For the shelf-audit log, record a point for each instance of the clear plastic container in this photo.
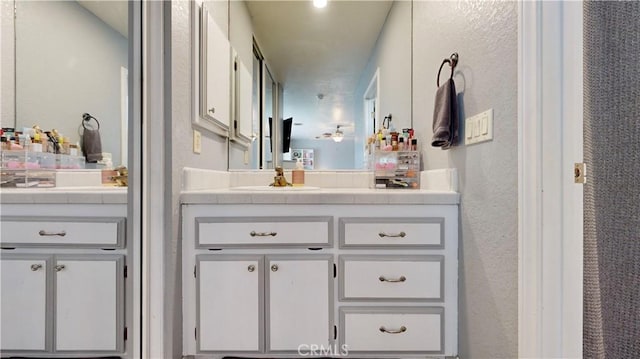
(397, 169)
(25, 169)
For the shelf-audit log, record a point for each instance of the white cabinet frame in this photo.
(201, 116)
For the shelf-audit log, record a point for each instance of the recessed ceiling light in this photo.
(319, 3)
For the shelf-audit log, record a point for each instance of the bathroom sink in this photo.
(274, 189)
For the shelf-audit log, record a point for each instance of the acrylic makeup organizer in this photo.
(397, 169)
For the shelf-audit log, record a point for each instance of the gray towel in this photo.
(445, 116)
(91, 145)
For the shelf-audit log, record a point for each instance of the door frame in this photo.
(550, 205)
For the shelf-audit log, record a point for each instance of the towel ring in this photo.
(452, 61)
(86, 118)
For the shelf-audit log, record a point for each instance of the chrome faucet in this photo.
(280, 180)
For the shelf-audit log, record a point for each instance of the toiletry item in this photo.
(414, 144)
(394, 141)
(401, 144)
(298, 174)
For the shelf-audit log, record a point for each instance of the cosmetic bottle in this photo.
(297, 175)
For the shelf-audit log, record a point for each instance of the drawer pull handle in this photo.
(399, 331)
(263, 234)
(401, 279)
(274, 268)
(251, 268)
(59, 267)
(45, 233)
(35, 267)
(401, 235)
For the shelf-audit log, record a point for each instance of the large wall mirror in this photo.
(71, 58)
(335, 71)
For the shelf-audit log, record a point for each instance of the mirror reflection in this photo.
(336, 72)
(70, 59)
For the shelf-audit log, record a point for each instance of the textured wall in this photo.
(67, 63)
(213, 156)
(392, 54)
(7, 78)
(484, 33)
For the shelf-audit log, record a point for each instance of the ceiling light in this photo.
(319, 3)
(338, 136)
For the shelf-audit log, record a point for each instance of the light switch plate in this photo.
(197, 141)
(478, 128)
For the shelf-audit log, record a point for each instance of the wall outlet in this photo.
(197, 141)
(479, 128)
(246, 157)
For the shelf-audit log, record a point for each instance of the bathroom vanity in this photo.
(351, 272)
(66, 290)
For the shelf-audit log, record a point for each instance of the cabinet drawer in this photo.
(402, 329)
(103, 232)
(399, 278)
(221, 232)
(392, 232)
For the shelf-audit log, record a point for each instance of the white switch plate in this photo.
(197, 141)
(478, 128)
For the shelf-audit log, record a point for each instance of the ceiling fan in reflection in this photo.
(336, 136)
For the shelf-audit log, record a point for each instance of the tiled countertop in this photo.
(320, 196)
(61, 195)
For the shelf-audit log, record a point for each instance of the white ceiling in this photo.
(318, 51)
(113, 12)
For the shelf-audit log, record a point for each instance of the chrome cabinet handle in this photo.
(212, 110)
(274, 268)
(35, 267)
(401, 279)
(398, 331)
(251, 268)
(401, 235)
(45, 233)
(263, 234)
(59, 267)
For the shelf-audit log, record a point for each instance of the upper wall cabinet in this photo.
(211, 73)
(242, 93)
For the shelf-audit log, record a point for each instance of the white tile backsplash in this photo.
(87, 178)
(445, 179)
(198, 179)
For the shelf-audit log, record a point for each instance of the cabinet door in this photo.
(24, 300)
(217, 79)
(89, 294)
(229, 294)
(298, 302)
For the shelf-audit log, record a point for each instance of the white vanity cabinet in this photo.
(386, 288)
(274, 301)
(230, 301)
(298, 302)
(89, 303)
(63, 280)
(398, 284)
(24, 302)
